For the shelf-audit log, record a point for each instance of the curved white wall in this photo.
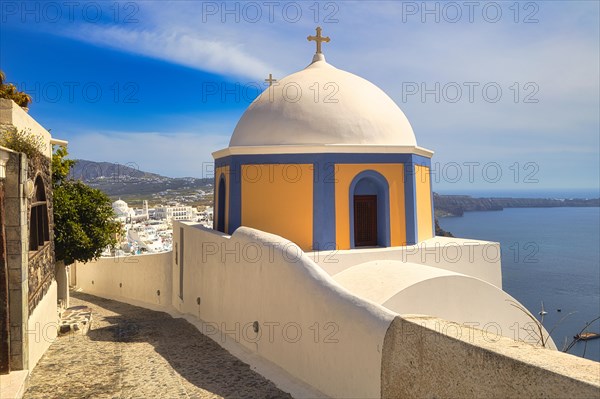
(480, 259)
(408, 288)
(310, 326)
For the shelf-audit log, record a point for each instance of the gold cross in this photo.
(319, 39)
(270, 80)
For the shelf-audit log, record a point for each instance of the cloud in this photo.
(184, 48)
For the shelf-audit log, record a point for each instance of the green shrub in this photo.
(22, 141)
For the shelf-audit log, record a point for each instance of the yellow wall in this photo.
(278, 198)
(225, 171)
(424, 216)
(344, 174)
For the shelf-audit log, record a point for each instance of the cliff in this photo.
(456, 205)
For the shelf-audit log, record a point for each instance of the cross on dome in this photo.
(270, 80)
(319, 39)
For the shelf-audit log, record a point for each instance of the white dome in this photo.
(323, 105)
(120, 207)
(120, 204)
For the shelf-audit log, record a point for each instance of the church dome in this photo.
(323, 105)
(120, 204)
(120, 207)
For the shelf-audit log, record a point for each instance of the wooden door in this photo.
(365, 220)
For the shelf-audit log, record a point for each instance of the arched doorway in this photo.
(221, 193)
(369, 210)
(39, 233)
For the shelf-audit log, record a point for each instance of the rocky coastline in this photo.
(457, 205)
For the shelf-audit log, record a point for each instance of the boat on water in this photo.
(587, 336)
(543, 311)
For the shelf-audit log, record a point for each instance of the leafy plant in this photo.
(84, 223)
(22, 141)
(61, 166)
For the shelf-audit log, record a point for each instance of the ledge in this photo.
(430, 357)
(322, 149)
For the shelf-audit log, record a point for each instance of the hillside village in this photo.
(129, 183)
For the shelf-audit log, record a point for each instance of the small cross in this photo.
(319, 39)
(270, 80)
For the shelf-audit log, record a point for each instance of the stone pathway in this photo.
(131, 352)
(76, 318)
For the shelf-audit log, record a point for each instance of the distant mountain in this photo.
(89, 171)
(127, 181)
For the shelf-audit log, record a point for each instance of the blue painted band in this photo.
(324, 231)
(410, 202)
(432, 206)
(323, 159)
(223, 191)
(323, 205)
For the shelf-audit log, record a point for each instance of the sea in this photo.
(549, 255)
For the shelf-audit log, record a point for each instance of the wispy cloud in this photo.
(184, 48)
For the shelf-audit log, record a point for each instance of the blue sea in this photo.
(550, 255)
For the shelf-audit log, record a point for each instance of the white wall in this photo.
(12, 114)
(424, 358)
(479, 259)
(137, 278)
(42, 326)
(320, 333)
(255, 276)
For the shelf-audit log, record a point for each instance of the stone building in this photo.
(29, 287)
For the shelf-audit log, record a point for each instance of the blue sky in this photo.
(127, 81)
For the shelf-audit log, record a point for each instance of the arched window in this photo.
(369, 210)
(39, 230)
(221, 193)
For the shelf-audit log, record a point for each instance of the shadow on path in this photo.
(138, 353)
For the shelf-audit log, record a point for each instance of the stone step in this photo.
(76, 319)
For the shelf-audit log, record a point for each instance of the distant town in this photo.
(147, 203)
(128, 183)
(150, 230)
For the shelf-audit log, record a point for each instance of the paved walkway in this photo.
(131, 352)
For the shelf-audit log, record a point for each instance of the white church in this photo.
(323, 271)
(346, 174)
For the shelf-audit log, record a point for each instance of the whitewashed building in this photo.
(177, 212)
